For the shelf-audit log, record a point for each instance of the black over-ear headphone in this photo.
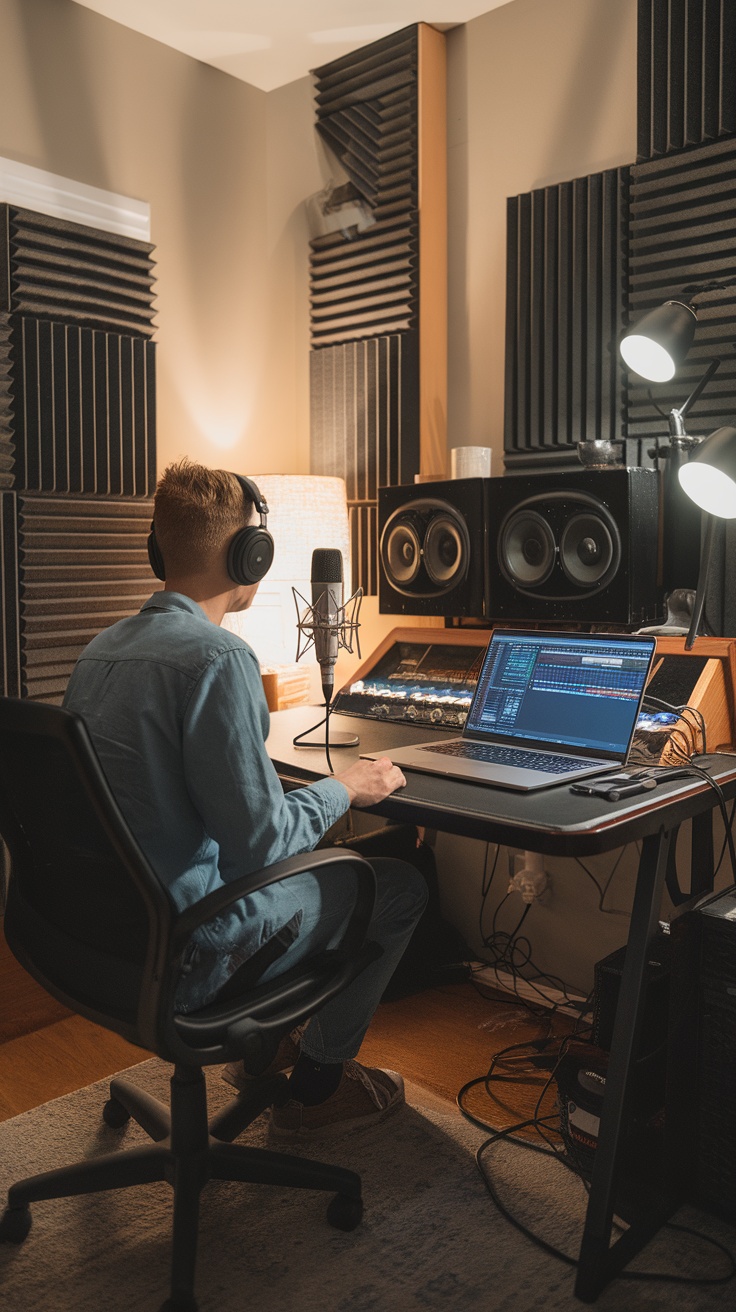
(250, 553)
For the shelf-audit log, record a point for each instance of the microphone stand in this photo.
(345, 628)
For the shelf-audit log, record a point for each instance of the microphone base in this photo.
(335, 740)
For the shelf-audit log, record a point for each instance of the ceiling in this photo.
(269, 44)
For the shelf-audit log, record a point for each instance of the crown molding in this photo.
(76, 202)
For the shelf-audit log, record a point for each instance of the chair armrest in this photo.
(220, 899)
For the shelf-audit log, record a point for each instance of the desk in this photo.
(559, 823)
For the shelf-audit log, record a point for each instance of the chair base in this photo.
(187, 1152)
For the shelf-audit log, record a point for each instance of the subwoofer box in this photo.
(580, 546)
(432, 548)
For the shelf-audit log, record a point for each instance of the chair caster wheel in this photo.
(345, 1213)
(15, 1224)
(114, 1114)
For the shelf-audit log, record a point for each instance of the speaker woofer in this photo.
(590, 550)
(526, 549)
(402, 551)
(446, 551)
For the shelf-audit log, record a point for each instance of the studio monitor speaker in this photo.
(575, 547)
(432, 548)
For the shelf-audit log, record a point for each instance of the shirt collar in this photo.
(173, 601)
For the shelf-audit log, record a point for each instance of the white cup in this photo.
(470, 462)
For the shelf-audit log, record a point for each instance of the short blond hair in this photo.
(196, 512)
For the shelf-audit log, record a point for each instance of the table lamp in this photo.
(305, 511)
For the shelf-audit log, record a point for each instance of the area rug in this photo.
(431, 1237)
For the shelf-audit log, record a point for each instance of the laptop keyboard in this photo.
(493, 754)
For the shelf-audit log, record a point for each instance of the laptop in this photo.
(548, 708)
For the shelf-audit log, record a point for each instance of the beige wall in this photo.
(539, 91)
(224, 173)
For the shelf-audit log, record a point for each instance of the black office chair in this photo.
(89, 919)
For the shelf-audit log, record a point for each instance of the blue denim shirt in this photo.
(176, 710)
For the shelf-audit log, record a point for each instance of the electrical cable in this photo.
(486, 881)
(563, 1156)
(724, 845)
(683, 750)
(509, 954)
(565, 1257)
(608, 911)
(299, 739)
(327, 737)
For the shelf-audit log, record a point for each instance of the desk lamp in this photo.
(709, 479)
(657, 343)
(654, 347)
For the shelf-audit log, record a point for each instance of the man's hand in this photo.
(368, 782)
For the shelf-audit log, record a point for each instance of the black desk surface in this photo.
(551, 820)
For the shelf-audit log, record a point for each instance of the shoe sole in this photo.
(335, 1128)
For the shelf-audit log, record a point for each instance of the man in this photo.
(175, 706)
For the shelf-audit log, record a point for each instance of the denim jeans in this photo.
(336, 1031)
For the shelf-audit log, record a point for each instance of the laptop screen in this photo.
(561, 689)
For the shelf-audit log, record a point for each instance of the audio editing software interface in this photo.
(561, 689)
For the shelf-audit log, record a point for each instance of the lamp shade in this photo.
(656, 345)
(709, 476)
(305, 511)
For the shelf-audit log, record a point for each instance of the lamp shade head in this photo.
(709, 476)
(656, 345)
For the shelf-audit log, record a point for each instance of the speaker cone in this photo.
(526, 549)
(402, 552)
(590, 550)
(446, 550)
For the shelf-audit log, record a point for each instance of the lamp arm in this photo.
(699, 387)
(699, 605)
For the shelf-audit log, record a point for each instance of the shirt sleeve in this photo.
(231, 778)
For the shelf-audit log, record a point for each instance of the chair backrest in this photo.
(85, 912)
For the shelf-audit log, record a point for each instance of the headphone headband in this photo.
(250, 552)
(250, 490)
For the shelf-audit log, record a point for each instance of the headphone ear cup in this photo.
(155, 558)
(250, 555)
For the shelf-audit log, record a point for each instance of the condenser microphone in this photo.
(328, 625)
(327, 612)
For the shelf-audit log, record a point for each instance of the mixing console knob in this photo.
(435, 714)
(411, 712)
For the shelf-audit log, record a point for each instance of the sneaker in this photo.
(364, 1096)
(286, 1054)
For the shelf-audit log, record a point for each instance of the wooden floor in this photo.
(439, 1039)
